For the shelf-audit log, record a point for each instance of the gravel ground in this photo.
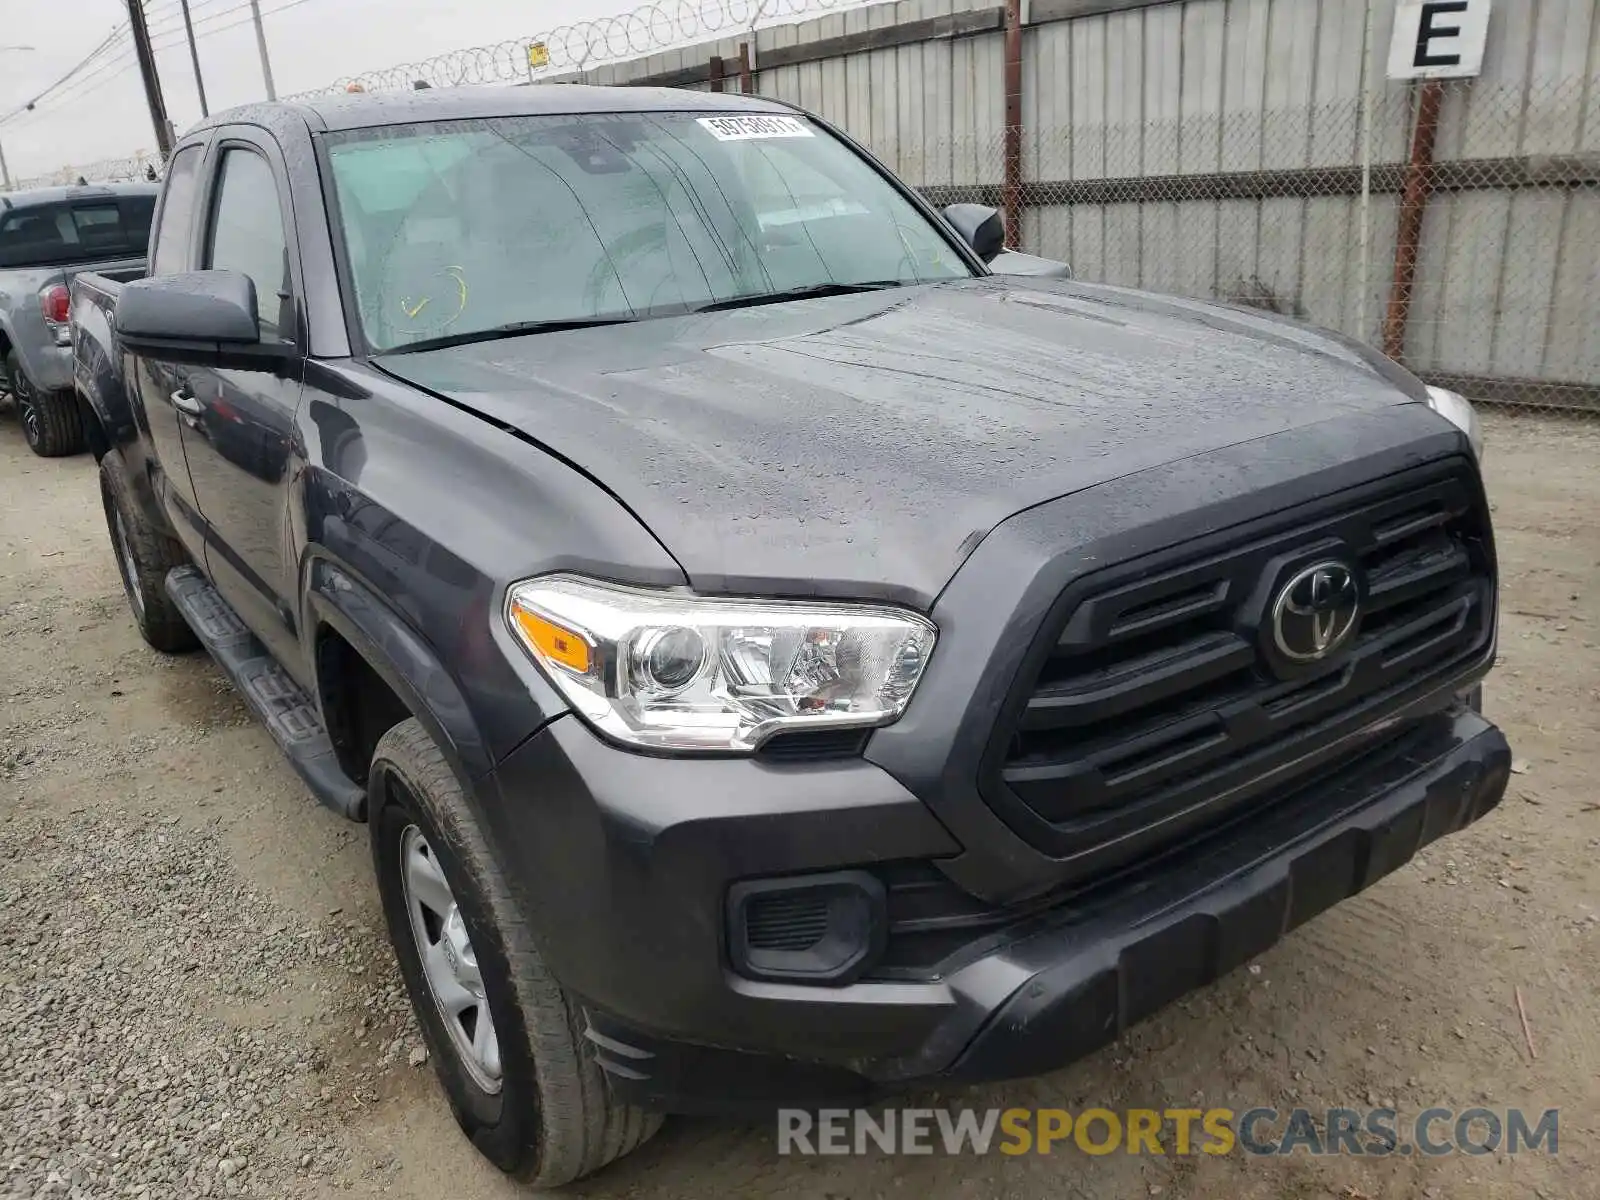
(196, 997)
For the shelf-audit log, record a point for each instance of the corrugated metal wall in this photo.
(1216, 122)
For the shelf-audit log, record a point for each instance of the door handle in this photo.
(185, 403)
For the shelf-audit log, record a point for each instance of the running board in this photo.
(280, 703)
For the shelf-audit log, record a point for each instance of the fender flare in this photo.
(402, 659)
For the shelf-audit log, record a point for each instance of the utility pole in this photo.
(152, 85)
(5, 172)
(261, 43)
(194, 57)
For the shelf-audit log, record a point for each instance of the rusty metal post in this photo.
(1413, 206)
(745, 83)
(1011, 185)
(716, 73)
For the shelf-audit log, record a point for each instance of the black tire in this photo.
(553, 1118)
(50, 421)
(144, 555)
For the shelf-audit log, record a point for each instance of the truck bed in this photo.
(97, 367)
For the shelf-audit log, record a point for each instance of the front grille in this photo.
(1150, 705)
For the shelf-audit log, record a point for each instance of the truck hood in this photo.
(864, 445)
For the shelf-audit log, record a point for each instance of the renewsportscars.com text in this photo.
(1175, 1131)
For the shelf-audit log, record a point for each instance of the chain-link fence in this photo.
(1196, 148)
(1460, 233)
(1192, 149)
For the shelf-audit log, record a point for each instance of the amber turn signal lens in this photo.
(554, 642)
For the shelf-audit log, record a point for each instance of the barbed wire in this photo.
(666, 25)
(130, 169)
(663, 25)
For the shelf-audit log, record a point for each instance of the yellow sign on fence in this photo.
(538, 55)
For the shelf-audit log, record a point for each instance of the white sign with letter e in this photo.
(1438, 39)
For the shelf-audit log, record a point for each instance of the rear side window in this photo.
(170, 253)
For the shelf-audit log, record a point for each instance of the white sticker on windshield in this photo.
(744, 128)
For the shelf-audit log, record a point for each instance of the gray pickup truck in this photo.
(48, 236)
(779, 659)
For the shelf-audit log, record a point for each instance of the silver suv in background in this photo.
(46, 237)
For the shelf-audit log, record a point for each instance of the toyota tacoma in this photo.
(779, 659)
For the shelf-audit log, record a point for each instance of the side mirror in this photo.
(1014, 262)
(199, 316)
(980, 226)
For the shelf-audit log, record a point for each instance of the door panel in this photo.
(154, 380)
(161, 384)
(239, 437)
(240, 429)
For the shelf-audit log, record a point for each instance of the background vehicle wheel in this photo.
(505, 1041)
(144, 556)
(50, 420)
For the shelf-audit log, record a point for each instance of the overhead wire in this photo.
(127, 59)
(78, 83)
(102, 49)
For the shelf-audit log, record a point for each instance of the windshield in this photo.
(460, 228)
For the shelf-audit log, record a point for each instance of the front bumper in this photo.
(624, 862)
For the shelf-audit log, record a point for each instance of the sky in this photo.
(310, 43)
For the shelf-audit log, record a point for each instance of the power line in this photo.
(115, 59)
(125, 61)
(120, 31)
(110, 70)
(115, 64)
(105, 71)
(175, 21)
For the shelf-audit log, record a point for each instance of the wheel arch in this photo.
(372, 669)
(94, 430)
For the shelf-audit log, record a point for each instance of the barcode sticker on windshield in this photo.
(742, 129)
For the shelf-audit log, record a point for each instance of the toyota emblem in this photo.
(1315, 612)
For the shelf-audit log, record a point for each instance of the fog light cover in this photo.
(812, 929)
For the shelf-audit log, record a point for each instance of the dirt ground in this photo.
(114, 760)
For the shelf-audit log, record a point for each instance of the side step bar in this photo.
(289, 714)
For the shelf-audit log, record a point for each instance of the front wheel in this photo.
(51, 422)
(506, 1042)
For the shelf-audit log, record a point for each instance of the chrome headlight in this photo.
(669, 671)
(1458, 410)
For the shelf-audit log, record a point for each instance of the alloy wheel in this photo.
(127, 563)
(27, 410)
(449, 962)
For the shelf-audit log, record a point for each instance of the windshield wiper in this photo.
(809, 292)
(469, 336)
